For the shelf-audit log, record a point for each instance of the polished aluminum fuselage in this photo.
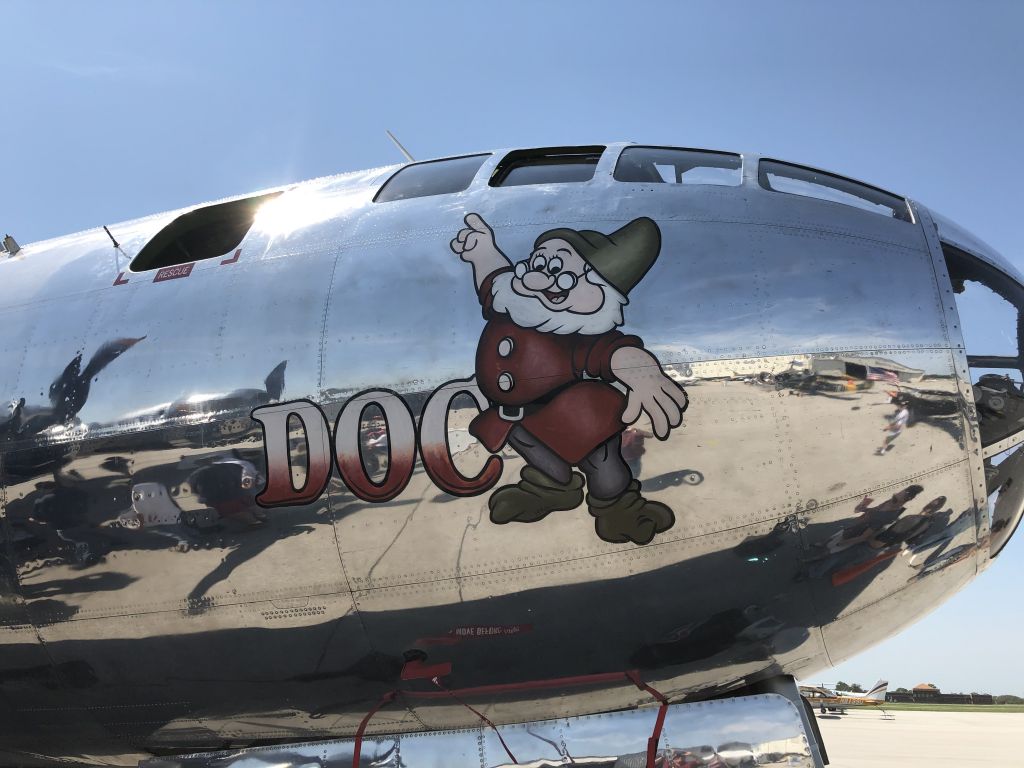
(199, 629)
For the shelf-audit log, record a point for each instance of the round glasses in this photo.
(565, 281)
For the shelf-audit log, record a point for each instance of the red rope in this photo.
(632, 675)
(659, 723)
(481, 715)
(357, 748)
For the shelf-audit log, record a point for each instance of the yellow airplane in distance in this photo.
(827, 700)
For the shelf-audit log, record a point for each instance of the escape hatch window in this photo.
(810, 182)
(204, 233)
(553, 165)
(434, 177)
(665, 165)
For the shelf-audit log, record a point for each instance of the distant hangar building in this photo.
(929, 693)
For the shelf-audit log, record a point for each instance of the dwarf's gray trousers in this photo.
(607, 474)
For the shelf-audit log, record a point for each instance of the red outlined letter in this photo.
(279, 491)
(434, 447)
(401, 437)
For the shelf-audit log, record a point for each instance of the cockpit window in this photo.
(554, 165)
(990, 307)
(204, 233)
(810, 182)
(434, 177)
(664, 165)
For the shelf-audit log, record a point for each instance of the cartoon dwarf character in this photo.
(546, 362)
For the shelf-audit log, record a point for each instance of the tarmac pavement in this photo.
(862, 739)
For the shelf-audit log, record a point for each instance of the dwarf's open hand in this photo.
(476, 236)
(649, 390)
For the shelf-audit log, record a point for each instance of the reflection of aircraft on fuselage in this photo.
(56, 425)
(808, 382)
(827, 700)
(205, 407)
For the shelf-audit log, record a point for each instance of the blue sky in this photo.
(119, 109)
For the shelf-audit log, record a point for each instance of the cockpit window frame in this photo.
(873, 195)
(589, 156)
(964, 266)
(732, 157)
(380, 196)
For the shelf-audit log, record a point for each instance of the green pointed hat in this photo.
(622, 258)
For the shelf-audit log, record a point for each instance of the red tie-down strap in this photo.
(357, 747)
(416, 672)
(481, 715)
(659, 723)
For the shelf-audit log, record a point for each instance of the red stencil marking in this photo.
(173, 273)
(417, 670)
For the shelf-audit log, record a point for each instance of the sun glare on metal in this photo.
(298, 209)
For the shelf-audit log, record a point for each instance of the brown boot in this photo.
(630, 517)
(534, 497)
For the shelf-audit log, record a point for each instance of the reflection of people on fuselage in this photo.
(897, 423)
(871, 520)
(932, 544)
(546, 362)
(909, 529)
(375, 446)
(888, 543)
(850, 545)
(881, 541)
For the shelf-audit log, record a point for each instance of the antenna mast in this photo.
(117, 249)
(398, 144)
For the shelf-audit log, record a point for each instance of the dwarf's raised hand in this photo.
(649, 389)
(477, 235)
(663, 400)
(475, 245)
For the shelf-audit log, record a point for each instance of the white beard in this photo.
(528, 312)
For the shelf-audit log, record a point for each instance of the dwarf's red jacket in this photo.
(545, 375)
